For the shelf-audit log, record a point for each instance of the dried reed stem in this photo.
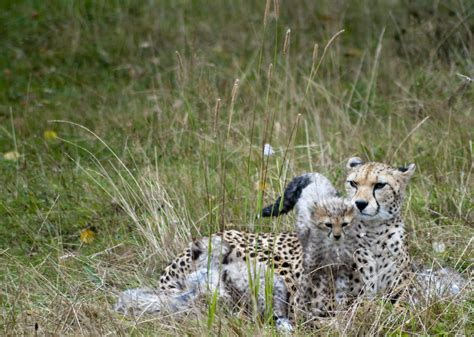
(235, 91)
(217, 108)
(315, 52)
(286, 44)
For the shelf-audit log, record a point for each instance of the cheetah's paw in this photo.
(284, 325)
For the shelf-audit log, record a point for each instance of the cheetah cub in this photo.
(329, 242)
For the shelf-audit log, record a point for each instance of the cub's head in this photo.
(332, 215)
(375, 189)
(200, 250)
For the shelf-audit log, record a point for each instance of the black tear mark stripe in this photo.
(376, 201)
(291, 196)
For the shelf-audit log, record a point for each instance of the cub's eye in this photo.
(344, 224)
(328, 224)
(378, 186)
(352, 183)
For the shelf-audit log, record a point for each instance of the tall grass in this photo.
(162, 144)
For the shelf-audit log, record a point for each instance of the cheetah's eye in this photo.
(328, 224)
(378, 186)
(344, 224)
(352, 183)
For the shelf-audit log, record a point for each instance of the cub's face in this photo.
(376, 190)
(201, 248)
(332, 216)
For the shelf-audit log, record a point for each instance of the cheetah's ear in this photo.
(353, 162)
(408, 171)
(196, 249)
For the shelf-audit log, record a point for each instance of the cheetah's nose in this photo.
(337, 237)
(361, 204)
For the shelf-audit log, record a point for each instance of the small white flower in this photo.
(439, 247)
(145, 45)
(268, 150)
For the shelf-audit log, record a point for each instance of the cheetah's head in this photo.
(376, 189)
(332, 215)
(205, 251)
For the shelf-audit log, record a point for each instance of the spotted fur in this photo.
(328, 242)
(377, 191)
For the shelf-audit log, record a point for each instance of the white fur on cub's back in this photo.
(300, 190)
(319, 189)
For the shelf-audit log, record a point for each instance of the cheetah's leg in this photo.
(322, 295)
(344, 288)
(314, 297)
(280, 305)
(366, 266)
(245, 278)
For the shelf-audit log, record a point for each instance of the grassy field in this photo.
(129, 127)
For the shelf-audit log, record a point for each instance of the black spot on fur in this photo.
(227, 259)
(290, 197)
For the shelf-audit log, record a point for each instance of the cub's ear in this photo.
(196, 249)
(353, 162)
(408, 171)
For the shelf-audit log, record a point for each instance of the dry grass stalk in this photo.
(286, 44)
(266, 12)
(217, 108)
(234, 93)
